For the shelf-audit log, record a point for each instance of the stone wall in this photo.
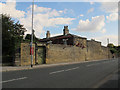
(23, 57)
(80, 41)
(97, 52)
(25, 54)
(61, 53)
(56, 53)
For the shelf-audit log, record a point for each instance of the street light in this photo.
(108, 46)
(32, 36)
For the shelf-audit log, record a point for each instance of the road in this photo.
(95, 74)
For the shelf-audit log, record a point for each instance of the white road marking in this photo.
(92, 64)
(64, 70)
(13, 80)
(89, 65)
(72, 69)
(56, 72)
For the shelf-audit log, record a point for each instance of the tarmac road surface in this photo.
(95, 74)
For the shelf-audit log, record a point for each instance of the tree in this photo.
(119, 49)
(114, 49)
(12, 35)
(110, 45)
(28, 38)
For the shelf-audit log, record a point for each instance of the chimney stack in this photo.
(48, 34)
(65, 30)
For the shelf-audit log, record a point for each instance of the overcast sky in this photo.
(93, 20)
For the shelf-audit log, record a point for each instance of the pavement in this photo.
(95, 74)
(14, 68)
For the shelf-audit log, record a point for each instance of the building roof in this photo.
(60, 37)
(93, 40)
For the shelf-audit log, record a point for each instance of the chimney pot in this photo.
(48, 34)
(65, 30)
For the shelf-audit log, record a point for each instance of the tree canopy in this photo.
(28, 38)
(111, 45)
(114, 49)
(12, 35)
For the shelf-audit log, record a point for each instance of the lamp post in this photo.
(32, 36)
(108, 47)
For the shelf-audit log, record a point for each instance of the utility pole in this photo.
(108, 47)
(32, 36)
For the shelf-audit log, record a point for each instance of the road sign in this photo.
(31, 51)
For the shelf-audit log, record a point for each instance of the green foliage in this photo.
(110, 45)
(118, 49)
(12, 35)
(28, 38)
(114, 49)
